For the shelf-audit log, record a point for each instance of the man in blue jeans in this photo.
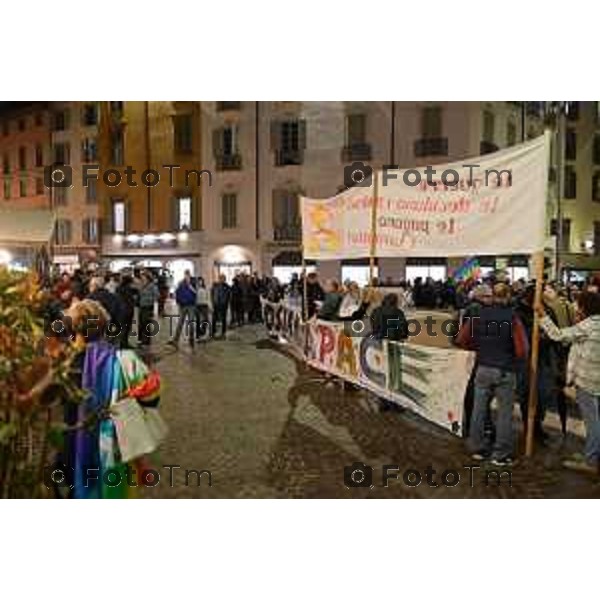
(185, 296)
(499, 338)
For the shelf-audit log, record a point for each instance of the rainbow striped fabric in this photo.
(470, 269)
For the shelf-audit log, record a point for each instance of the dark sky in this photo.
(7, 106)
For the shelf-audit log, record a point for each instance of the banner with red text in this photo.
(427, 380)
(492, 204)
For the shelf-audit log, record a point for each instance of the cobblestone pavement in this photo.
(265, 426)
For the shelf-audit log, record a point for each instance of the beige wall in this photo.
(76, 208)
(583, 211)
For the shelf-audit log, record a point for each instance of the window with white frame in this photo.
(184, 212)
(118, 216)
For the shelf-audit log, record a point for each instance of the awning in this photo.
(26, 227)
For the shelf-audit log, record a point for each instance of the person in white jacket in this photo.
(583, 372)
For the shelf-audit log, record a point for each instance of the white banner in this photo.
(492, 204)
(426, 380)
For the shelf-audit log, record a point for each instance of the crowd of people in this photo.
(569, 348)
(202, 313)
(568, 358)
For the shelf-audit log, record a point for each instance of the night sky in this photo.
(8, 106)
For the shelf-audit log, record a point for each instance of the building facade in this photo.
(150, 184)
(580, 189)
(215, 186)
(266, 154)
(74, 143)
(24, 150)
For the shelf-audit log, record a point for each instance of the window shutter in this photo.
(175, 214)
(111, 217)
(127, 208)
(275, 135)
(236, 142)
(277, 200)
(295, 209)
(302, 134)
(223, 211)
(193, 205)
(218, 142)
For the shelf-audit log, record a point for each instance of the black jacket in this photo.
(390, 323)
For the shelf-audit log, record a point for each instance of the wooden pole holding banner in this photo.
(535, 345)
(373, 249)
(538, 269)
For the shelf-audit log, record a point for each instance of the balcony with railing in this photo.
(222, 106)
(487, 147)
(287, 232)
(228, 162)
(356, 151)
(431, 147)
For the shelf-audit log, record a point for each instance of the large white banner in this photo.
(492, 204)
(426, 380)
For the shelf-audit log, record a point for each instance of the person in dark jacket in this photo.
(128, 296)
(185, 296)
(113, 305)
(331, 304)
(551, 368)
(314, 294)
(254, 310)
(220, 296)
(163, 293)
(481, 295)
(237, 302)
(147, 298)
(499, 338)
(389, 321)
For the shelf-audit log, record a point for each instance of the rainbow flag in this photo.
(470, 269)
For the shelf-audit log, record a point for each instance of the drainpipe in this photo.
(148, 157)
(256, 167)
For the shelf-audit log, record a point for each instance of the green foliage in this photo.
(34, 377)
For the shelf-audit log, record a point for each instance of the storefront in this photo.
(288, 263)
(66, 263)
(232, 260)
(435, 268)
(25, 238)
(358, 270)
(515, 266)
(168, 252)
(578, 268)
